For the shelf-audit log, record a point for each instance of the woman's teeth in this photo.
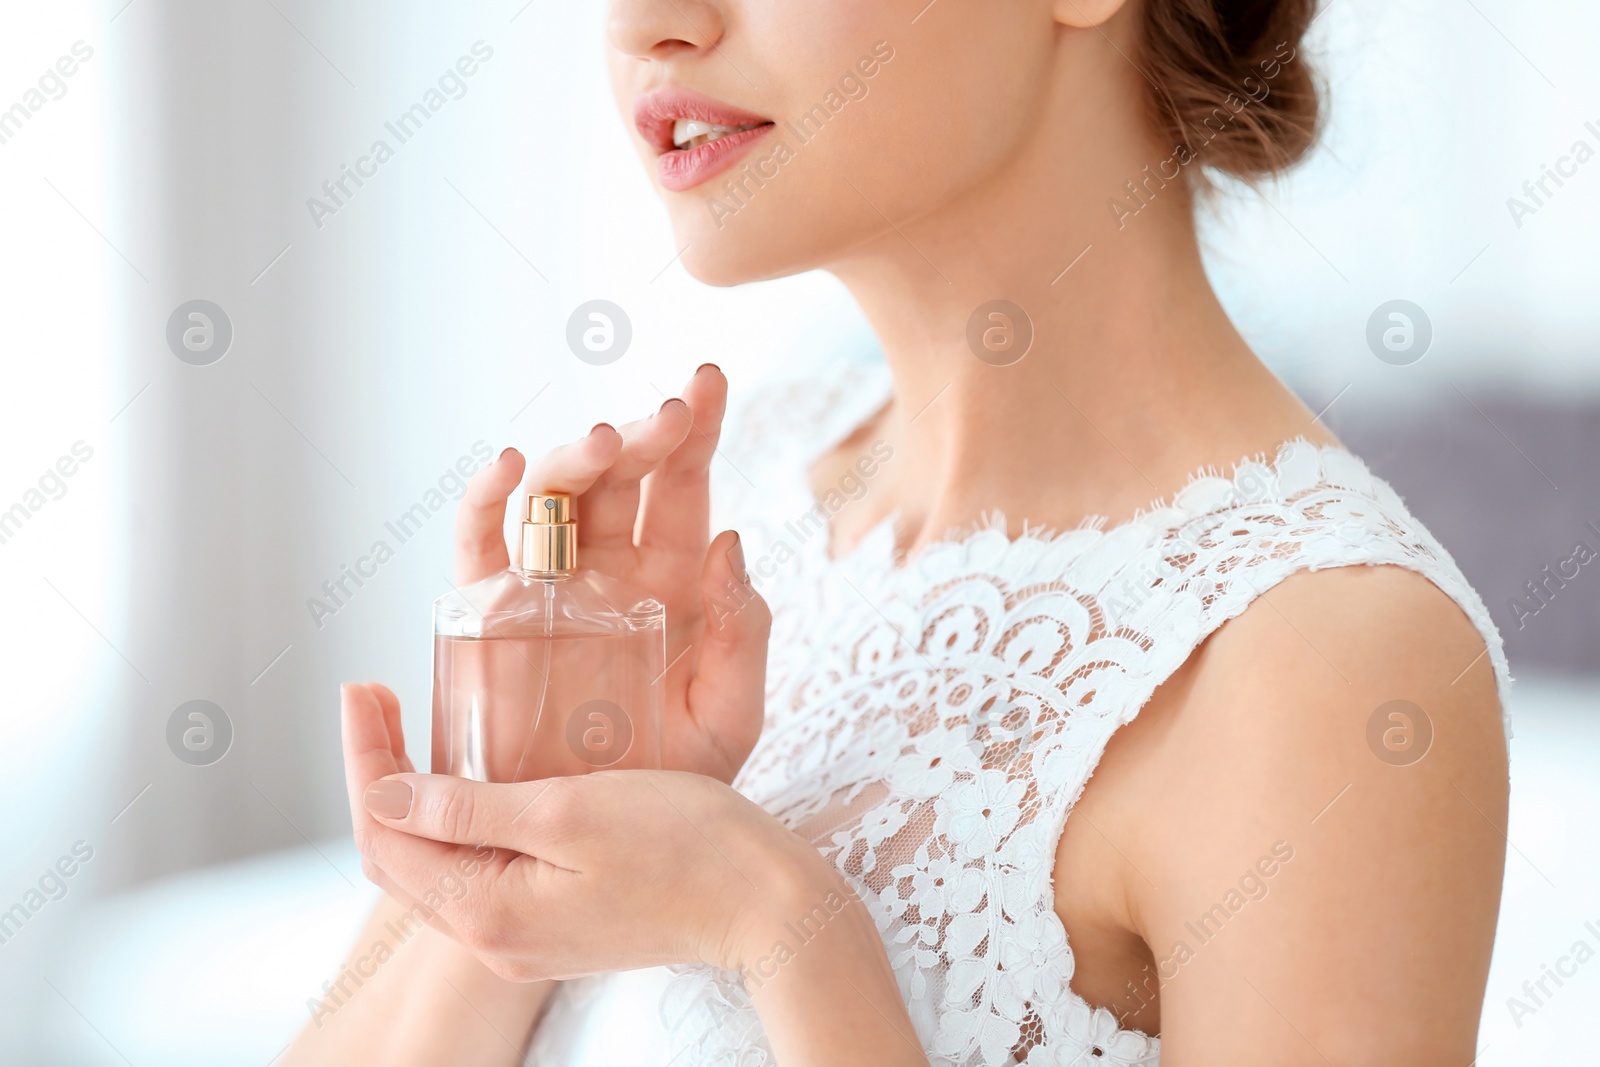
(691, 133)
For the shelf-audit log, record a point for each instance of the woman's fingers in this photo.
(603, 471)
(368, 750)
(677, 496)
(367, 711)
(458, 810)
(438, 882)
(444, 808)
(573, 468)
(391, 719)
(728, 691)
(670, 452)
(480, 520)
(610, 507)
(368, 758)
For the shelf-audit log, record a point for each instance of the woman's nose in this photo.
(659, 29)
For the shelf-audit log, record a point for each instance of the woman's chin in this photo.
(783, 228)
(724, 259)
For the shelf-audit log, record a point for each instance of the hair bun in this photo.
(1228, 81)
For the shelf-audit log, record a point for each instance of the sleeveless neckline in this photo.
(1201, 490)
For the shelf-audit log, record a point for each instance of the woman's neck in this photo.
(1134, 376)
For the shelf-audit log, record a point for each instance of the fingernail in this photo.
(597, 427)
(736, 559)
(703, 366)
(669, 403)
(503, 455)
(389, 798)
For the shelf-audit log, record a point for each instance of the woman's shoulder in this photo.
(1346, 648)
(1343, 645)
(1331, 760)
(1314, 524)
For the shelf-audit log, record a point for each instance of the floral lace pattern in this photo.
(931, 724)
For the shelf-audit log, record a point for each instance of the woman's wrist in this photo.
(408, 994)
(781, 882)
(815, 967)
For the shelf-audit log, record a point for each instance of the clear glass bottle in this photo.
(546, 669)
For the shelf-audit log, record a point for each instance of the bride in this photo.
(1068, 694)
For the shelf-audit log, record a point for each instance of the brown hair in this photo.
(1229, 83)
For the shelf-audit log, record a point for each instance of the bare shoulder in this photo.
(1311, 813)
(1317, 662)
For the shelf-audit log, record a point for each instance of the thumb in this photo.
(441, 807)
(729, 687)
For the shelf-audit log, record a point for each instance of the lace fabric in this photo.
(931, 723)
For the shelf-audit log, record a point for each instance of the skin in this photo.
(979, 165)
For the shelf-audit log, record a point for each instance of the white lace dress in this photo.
(931, 724)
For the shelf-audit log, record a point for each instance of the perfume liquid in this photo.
(547, 669)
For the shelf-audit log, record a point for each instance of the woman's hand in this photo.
(642, 497)
(622, 869)
(598, 872)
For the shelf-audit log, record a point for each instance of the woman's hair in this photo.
(1228, 81)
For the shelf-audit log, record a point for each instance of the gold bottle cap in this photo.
(549, 534)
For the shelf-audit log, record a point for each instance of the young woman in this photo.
(1025, 768)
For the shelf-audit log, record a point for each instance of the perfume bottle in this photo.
(547, 669)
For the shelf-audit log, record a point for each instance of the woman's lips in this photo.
(679, 169)
(685, 168)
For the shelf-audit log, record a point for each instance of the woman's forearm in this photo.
(409, 995)
(824, 989)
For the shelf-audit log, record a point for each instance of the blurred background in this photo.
(179, 494)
